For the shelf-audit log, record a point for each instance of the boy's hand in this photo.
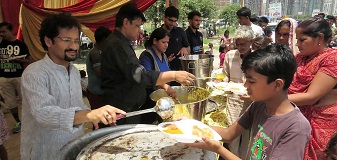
(208, 144)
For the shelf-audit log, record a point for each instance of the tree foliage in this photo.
(155, 13)
(228, 13)
(205, 7)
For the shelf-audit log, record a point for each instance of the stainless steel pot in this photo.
(200, 65)
(193, 101)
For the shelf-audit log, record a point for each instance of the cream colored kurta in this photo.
(236, 106)
(232, 67)
(50, 98)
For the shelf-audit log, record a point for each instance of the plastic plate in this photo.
(186, 126)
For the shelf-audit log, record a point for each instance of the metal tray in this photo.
(74, 147)
(141, 143)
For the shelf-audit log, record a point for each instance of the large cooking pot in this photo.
(200, 65)
(193, 101)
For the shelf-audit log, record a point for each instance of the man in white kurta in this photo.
(49, 107)
(53, 111)
(232, 68)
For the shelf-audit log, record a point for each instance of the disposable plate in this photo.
(186, 126)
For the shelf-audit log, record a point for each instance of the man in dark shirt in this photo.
(124, 79)
(14, 56)
(193, 35)
(178, 44)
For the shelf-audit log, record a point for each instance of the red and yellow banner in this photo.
(90, 13)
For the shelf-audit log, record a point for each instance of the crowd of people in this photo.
(290, 111)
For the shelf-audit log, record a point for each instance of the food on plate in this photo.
(205, 132)
(220, 76)
(172, 129)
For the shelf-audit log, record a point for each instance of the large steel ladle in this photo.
(164, 108)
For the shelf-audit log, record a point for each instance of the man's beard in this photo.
(195, 27)
(67, 58)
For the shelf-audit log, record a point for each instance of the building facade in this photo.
(292, 8)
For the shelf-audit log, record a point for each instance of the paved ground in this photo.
(13, 144)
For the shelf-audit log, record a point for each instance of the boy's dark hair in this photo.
(129, 11)
(222, 48)
(172, 12)
(101, 34)
(244, 11)
(254, 18)
(332, 146)
(312, 27)
(275, 61)
(53, 23)
(157, 34)
(8, 25)
(192, 14)
(264, 19)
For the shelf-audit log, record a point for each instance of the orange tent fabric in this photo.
(90, 13)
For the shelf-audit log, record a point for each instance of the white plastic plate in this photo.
(186, 127)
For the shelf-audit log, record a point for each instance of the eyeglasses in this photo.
(172, 20)
(69, 41)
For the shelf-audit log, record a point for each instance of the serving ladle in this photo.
(164, 108)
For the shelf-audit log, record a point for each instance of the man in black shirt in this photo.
(14, 55)
(178, 44)
(124, 79)
(195, 38)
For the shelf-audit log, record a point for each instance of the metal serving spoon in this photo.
(164, 108)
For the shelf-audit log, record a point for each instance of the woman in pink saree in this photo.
(314, 88)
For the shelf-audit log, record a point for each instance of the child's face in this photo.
(231, 47)
(257, 86)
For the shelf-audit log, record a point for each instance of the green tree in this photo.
(228, 13)
(205, 7)
(155, 13)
